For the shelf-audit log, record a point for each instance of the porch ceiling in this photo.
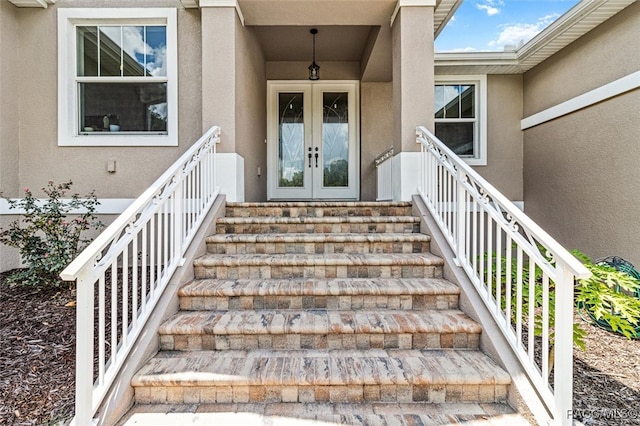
(349, 30)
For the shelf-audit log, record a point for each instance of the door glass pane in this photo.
(335, 139)
(291, 140)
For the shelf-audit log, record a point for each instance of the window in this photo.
(460, 116)
(118, 77)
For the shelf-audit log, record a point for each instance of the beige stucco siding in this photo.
(251, 115)
(42, 159)
(9, 119)
(605, 54)
(9, 94)
(504, 137)
(581, 170)
(376, 132)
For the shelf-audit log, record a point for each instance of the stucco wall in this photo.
(42, 159)
(9, 119)
(9, 93)
(251, 114)
(504, 137)
(580, 171)
(376, 132)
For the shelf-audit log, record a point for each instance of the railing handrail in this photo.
(93, 250)
(386, 155)
(560, 253)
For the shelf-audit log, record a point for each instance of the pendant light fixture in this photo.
(314, 69)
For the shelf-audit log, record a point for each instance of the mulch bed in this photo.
(37, 341)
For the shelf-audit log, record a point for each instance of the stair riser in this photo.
(278, 272)
(361, 341)
(318, 248)
(436, 393)
(317, 211)
(317, 228)
(405, 302)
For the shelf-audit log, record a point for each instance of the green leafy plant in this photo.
(609, 297)
(49, 233)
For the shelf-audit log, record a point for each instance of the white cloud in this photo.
(492, 7)
(514, 34)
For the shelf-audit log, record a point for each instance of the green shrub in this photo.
(49, 234)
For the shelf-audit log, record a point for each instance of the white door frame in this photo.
(313, 101)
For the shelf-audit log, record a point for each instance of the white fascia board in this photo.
(475, 58)
(602, 93)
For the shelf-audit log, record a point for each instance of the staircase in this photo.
(333, 312)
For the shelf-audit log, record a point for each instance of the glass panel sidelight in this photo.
(291, 140)
(335, 139)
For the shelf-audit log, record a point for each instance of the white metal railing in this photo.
(130, 264)
(524, 276)
(384, 176)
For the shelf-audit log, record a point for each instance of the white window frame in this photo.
(480, 128)
(68, 96)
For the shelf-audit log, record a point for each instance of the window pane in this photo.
(132, 107)
(467, 101)
(156, 51)
(457, 136)
(335, 139)
(133, 47)
(110, 51)
(439, 100)
(291, 140)
(87, 51)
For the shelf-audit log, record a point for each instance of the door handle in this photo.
(310, 157)
(317, 157)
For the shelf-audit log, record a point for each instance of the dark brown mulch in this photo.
(37, 352)
(37, 355)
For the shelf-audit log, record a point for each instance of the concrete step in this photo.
(411, 265)
(317, 225)
(325, 414)
(318, 209)
(325, 376)
(319, 329)
(296, 243)
(343, 293)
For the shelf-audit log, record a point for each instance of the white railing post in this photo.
(84, 350)
(179, 210)
(563, 346)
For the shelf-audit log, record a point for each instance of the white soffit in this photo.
(442, 14)
(578, 21)
(574, 24)
(32, 3)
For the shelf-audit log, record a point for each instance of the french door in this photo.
(312, 140)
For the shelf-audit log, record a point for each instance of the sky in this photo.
(489, 25)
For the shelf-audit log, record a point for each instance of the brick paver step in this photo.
(319, 329)
(326, 414)
(318, 209)
(292, 243)
(338, 376)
